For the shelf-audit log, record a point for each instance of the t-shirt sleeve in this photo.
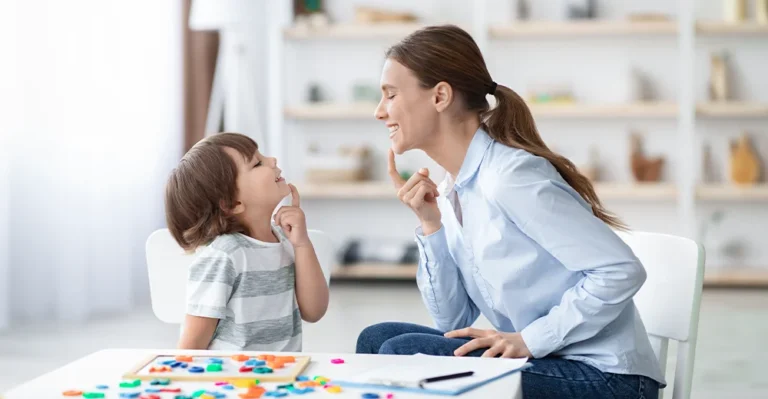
(209, 285)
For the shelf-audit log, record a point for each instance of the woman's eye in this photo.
(257, 164)
(390, 96)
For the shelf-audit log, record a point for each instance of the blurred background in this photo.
(663, 104)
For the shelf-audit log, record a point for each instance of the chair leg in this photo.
(686, 351)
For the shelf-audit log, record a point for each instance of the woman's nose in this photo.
(380, 112)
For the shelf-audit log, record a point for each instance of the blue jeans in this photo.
(550, 377)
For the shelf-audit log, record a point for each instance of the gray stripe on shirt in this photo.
(265, 282)
(259, 332)
(213, 269)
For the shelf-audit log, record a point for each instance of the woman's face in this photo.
(407, 109)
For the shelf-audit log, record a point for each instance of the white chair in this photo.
(670, 299)
(167, 264)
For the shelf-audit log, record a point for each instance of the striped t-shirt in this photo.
(249, 285)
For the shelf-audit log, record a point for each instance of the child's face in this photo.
(259, 185)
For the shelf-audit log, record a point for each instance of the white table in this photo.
(108, 366)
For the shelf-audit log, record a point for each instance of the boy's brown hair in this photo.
(202, 188)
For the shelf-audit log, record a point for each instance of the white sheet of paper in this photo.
(421, 367)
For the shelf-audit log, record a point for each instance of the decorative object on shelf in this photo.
(718, 77)
(591, 170)
(381, 251)
(735, 10)
(344, 165)
(647, 17)
(309, 14)
(644, 88)
(709, 172)
(523, 10)
(315, 94)
(368, 15)
(551, 93)
(745, 165)
(644, 169)
(580, 9)
(366, 93)
(761, 11)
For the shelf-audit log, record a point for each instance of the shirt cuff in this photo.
(213, 312)
(539, 337)
(432, 247)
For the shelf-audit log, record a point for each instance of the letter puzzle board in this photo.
(265, 368)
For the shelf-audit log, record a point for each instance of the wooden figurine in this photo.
(644, 169)
(745, 166)
(735, 10)
(718, 79)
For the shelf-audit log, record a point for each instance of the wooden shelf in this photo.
(375, 271)
(576, 110)
(583, 28)
(732, 192)
(356, 190)
(734, 109)
(336, 111)
(354, 31)
(737, 277)
(385, 190)
(722, 28)
(728, 277)
(636, 191)
(331, 111)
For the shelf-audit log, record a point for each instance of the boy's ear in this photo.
(236, 210)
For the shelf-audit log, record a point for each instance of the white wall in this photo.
(7, 104)
(98, 130)
(597, 69)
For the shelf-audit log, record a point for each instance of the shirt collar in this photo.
(475, 154)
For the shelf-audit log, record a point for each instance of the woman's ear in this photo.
(443, 96)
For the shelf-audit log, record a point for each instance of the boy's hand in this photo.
(291, 219)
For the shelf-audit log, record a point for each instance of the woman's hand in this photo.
(499, 343)
(420, 194)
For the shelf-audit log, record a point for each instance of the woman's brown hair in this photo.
(203, 187)
(449, 54)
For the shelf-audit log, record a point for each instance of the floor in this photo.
(731, 351)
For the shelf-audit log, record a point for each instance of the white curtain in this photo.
(99, 88)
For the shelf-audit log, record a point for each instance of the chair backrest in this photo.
(670, 299)
(168, 264)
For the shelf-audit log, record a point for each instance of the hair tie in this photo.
(492, 89)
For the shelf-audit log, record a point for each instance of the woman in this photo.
(514, 233)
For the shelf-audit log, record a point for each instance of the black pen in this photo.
(445, 377)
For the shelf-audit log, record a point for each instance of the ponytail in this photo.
(510, 122)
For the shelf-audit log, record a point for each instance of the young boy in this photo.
(252, 282)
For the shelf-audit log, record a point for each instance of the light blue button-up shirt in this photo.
(524, 249)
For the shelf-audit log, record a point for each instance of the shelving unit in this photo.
(684, 112)
(582, 28)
